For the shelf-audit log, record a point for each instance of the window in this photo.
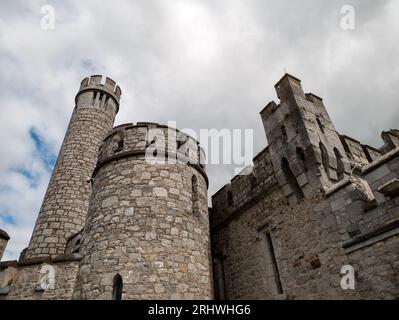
(194, 194)
(301, 156)
(325, 159)
(271, 259)
(117, 288)
(289, 176)
(220, 283)
(284, 133)
(320, 125)
(229, 198)
(340, 164)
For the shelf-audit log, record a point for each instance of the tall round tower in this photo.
(66, 201)
(147, 229)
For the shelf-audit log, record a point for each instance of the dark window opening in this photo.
(320, 125)
(229, 198)
(194, 194)
(121, 140)
(253, 181)
(325, 159)
(284, 133)
(289, 176)
(272, 255)
(220, 282)
(94, 97)
(301, 156)
(340, 164)
(117, 288)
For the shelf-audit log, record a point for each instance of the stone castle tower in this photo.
(64, 208)
(125, 215)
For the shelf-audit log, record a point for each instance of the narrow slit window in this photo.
(325, 159)
(321, 127)
(301, 156)
(194, 194)
(284, 133)
(117, 288)
(274, 262)
(229, 198)
(273, 270)
(220, 282)
(290, 177)
(340, 164)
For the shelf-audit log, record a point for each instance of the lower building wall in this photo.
(308, 255)
(377, 269)
(24, 281)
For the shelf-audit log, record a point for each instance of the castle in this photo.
(114, 225)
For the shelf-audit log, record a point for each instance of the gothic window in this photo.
(340, 164)
(290, 177)
(325, 159)
(117, 288)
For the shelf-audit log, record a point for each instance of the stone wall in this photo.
(332, 202)
(23, 279)
(147, 223)
(312, 240)
(244, 188)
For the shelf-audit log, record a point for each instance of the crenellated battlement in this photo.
(244, 188)
(97, 90)
(151, 140)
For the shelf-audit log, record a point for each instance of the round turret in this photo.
(147, 229)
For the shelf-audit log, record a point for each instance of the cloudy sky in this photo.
(203, 64)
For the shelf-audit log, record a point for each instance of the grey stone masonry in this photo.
(148, 220)
(327, 201)
(4, 237)
(66, 201)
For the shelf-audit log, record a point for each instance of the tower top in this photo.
(4, 235)
(95, 83)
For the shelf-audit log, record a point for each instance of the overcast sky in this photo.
(203, 64)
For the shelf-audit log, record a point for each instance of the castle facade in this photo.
(316, 218)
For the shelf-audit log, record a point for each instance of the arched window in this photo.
(289, 176)
(320, 125)
(325, 159)
(229, 198)
(117, 288)
(340, 164)
(301, 156)
(284, 133)
(194, 193)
